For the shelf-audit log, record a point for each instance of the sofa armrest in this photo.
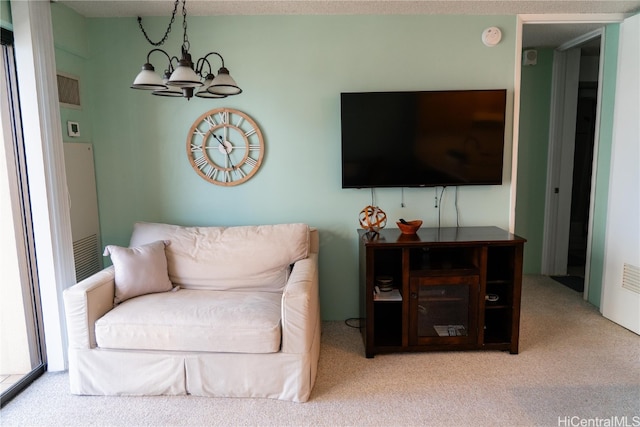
(85, 302)
(300, 306)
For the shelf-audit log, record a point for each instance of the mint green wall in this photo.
(72, 53)
(603, 166)
(292, 70)
(5, 15)
(533, 144)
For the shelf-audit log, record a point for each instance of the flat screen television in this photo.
(422, 139)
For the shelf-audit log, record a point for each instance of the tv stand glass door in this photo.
(442, 310)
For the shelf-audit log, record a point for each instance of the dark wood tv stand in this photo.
(453, 289)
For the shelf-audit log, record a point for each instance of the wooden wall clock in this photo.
(225, 146)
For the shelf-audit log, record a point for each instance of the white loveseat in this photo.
(242, 319)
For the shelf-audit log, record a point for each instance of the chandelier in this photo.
(182, 78)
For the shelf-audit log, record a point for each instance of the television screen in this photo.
(422, 139)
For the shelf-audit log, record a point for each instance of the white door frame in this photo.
(556, 19)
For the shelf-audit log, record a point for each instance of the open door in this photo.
(564, 98)
(621, 283)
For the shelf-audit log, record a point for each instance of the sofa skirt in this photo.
(284, 376)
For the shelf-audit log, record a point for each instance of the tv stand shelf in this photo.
(454, 288)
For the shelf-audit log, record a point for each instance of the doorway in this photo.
(561, 244)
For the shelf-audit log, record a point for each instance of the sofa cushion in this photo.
(193, 320)
(139, 270)
(228, 258)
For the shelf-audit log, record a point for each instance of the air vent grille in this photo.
(69, 90)
(631, 278)
(86, 257)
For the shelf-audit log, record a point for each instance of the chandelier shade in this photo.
(224, 84)
(182, 77)
(204, 93)
(147, 79)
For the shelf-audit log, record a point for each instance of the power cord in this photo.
(457, 211)
(439, 203)
(360, 320)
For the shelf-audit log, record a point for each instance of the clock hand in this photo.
(224, 147)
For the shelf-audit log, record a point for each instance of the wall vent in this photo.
(86, 257)
(631, 278)
(69, 91)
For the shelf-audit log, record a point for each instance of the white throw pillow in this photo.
(139, 270)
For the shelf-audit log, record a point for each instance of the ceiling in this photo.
(554, 35)
(122, 8)
(534, 35)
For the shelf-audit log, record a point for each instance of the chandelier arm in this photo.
(214, 53)
(200, 67)
(166, 34)
(165, 54)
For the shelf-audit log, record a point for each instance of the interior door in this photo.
(621, 281)
(566, 76)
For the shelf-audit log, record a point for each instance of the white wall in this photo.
(623, 216)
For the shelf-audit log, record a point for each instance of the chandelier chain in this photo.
(166, 34)
(185, 38)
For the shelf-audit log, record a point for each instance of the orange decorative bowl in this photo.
(409, 227)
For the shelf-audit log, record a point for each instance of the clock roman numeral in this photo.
(240, 173)
(251, 162)
(201, 162)
(240, 120)
(249, 133)
(198, 132)
(195, 147)
(211, 121)
(212, 173)
(224, 116)
(254, 147)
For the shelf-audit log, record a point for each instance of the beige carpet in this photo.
(574, 367)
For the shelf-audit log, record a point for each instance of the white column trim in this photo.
(35, 58)
(517, 80)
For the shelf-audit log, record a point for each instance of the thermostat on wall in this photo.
(73, 129)
(491, 36)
